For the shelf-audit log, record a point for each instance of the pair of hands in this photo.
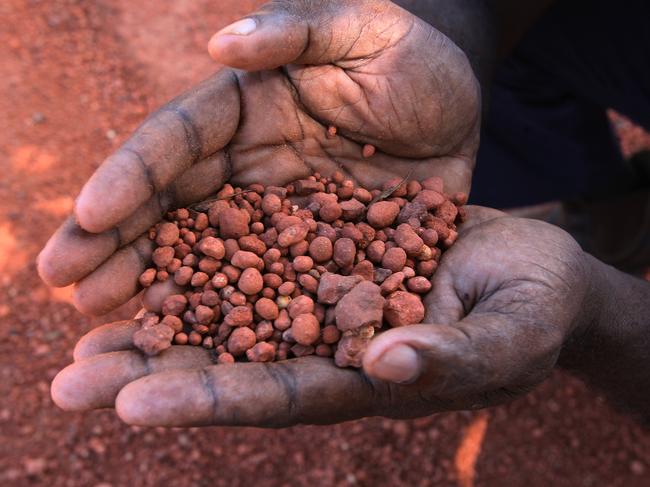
(504, 300)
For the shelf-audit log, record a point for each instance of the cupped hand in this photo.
(378, 74)
(505, 299)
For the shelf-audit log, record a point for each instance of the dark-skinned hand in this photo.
(505, 299)
(380, 75)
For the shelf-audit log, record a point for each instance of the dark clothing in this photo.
(547, 135)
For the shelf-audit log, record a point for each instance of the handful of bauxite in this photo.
(268, 279)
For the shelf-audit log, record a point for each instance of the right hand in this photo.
(369, 68)
(506, 299)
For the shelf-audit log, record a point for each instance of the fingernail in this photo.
(240, 28)
(399, 364)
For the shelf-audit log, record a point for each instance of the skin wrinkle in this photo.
(210, 387)
(146, 170)
(192, 136)
(283, 375)
(142, 258)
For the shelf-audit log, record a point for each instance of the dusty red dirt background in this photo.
(76, 78)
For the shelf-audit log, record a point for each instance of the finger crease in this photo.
(192, 136)
(146, 170)
(210, 387)
(284, 377)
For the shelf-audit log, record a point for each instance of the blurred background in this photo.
(76, 77)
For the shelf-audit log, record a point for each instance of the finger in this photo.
(94, 382)
(309, 390)
(296, 32)
(72, 253)
(106, 338)
(186, 130)
(483, 353)
(115, 281)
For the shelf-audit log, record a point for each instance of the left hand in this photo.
(376, 73)
(505, 299)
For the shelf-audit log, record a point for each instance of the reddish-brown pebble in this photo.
(365, 270)
(368, 150)
(271, 204)
(167, 235)
(330, 212)
(305, 329)
(331, 334)
(271, 280)
(163, 256)
(392, 283)
(204, 315)
(154, 339)
(147, 278)
(427, 268)
(261, 352)
(251, 281)
(183, 276)
(239, 316)
(283, 321)
(363, 306)
(286, 288)
(403, 308)
(418, 284)
(233, 223)
(210, 298)
(309, 283)
(300, 305)
(199, 279)
(252, 243)
(375, 251)
(344, 252)
(350, 351)
(225, 358)
(321, 249)
(293, 234)
(264, 330)
(352, 210)
(195, 338)
(407, 239)
(303, 263)
(244, 259)
(174, 322)
(363, 195)
(181, 338)
(333, 287)
(240, 340)
(267, 309)
(394, 259)
(447, 212)
(323, 350)
(382, 214)
(237, 299)
(219, 280)
(302, 350)
(174, 265)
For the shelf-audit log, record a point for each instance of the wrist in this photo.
(610, 343)
(592, 314)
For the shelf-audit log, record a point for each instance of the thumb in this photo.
(303, 32)
(480, 354)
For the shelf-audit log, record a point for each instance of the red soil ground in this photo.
(77, 77)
